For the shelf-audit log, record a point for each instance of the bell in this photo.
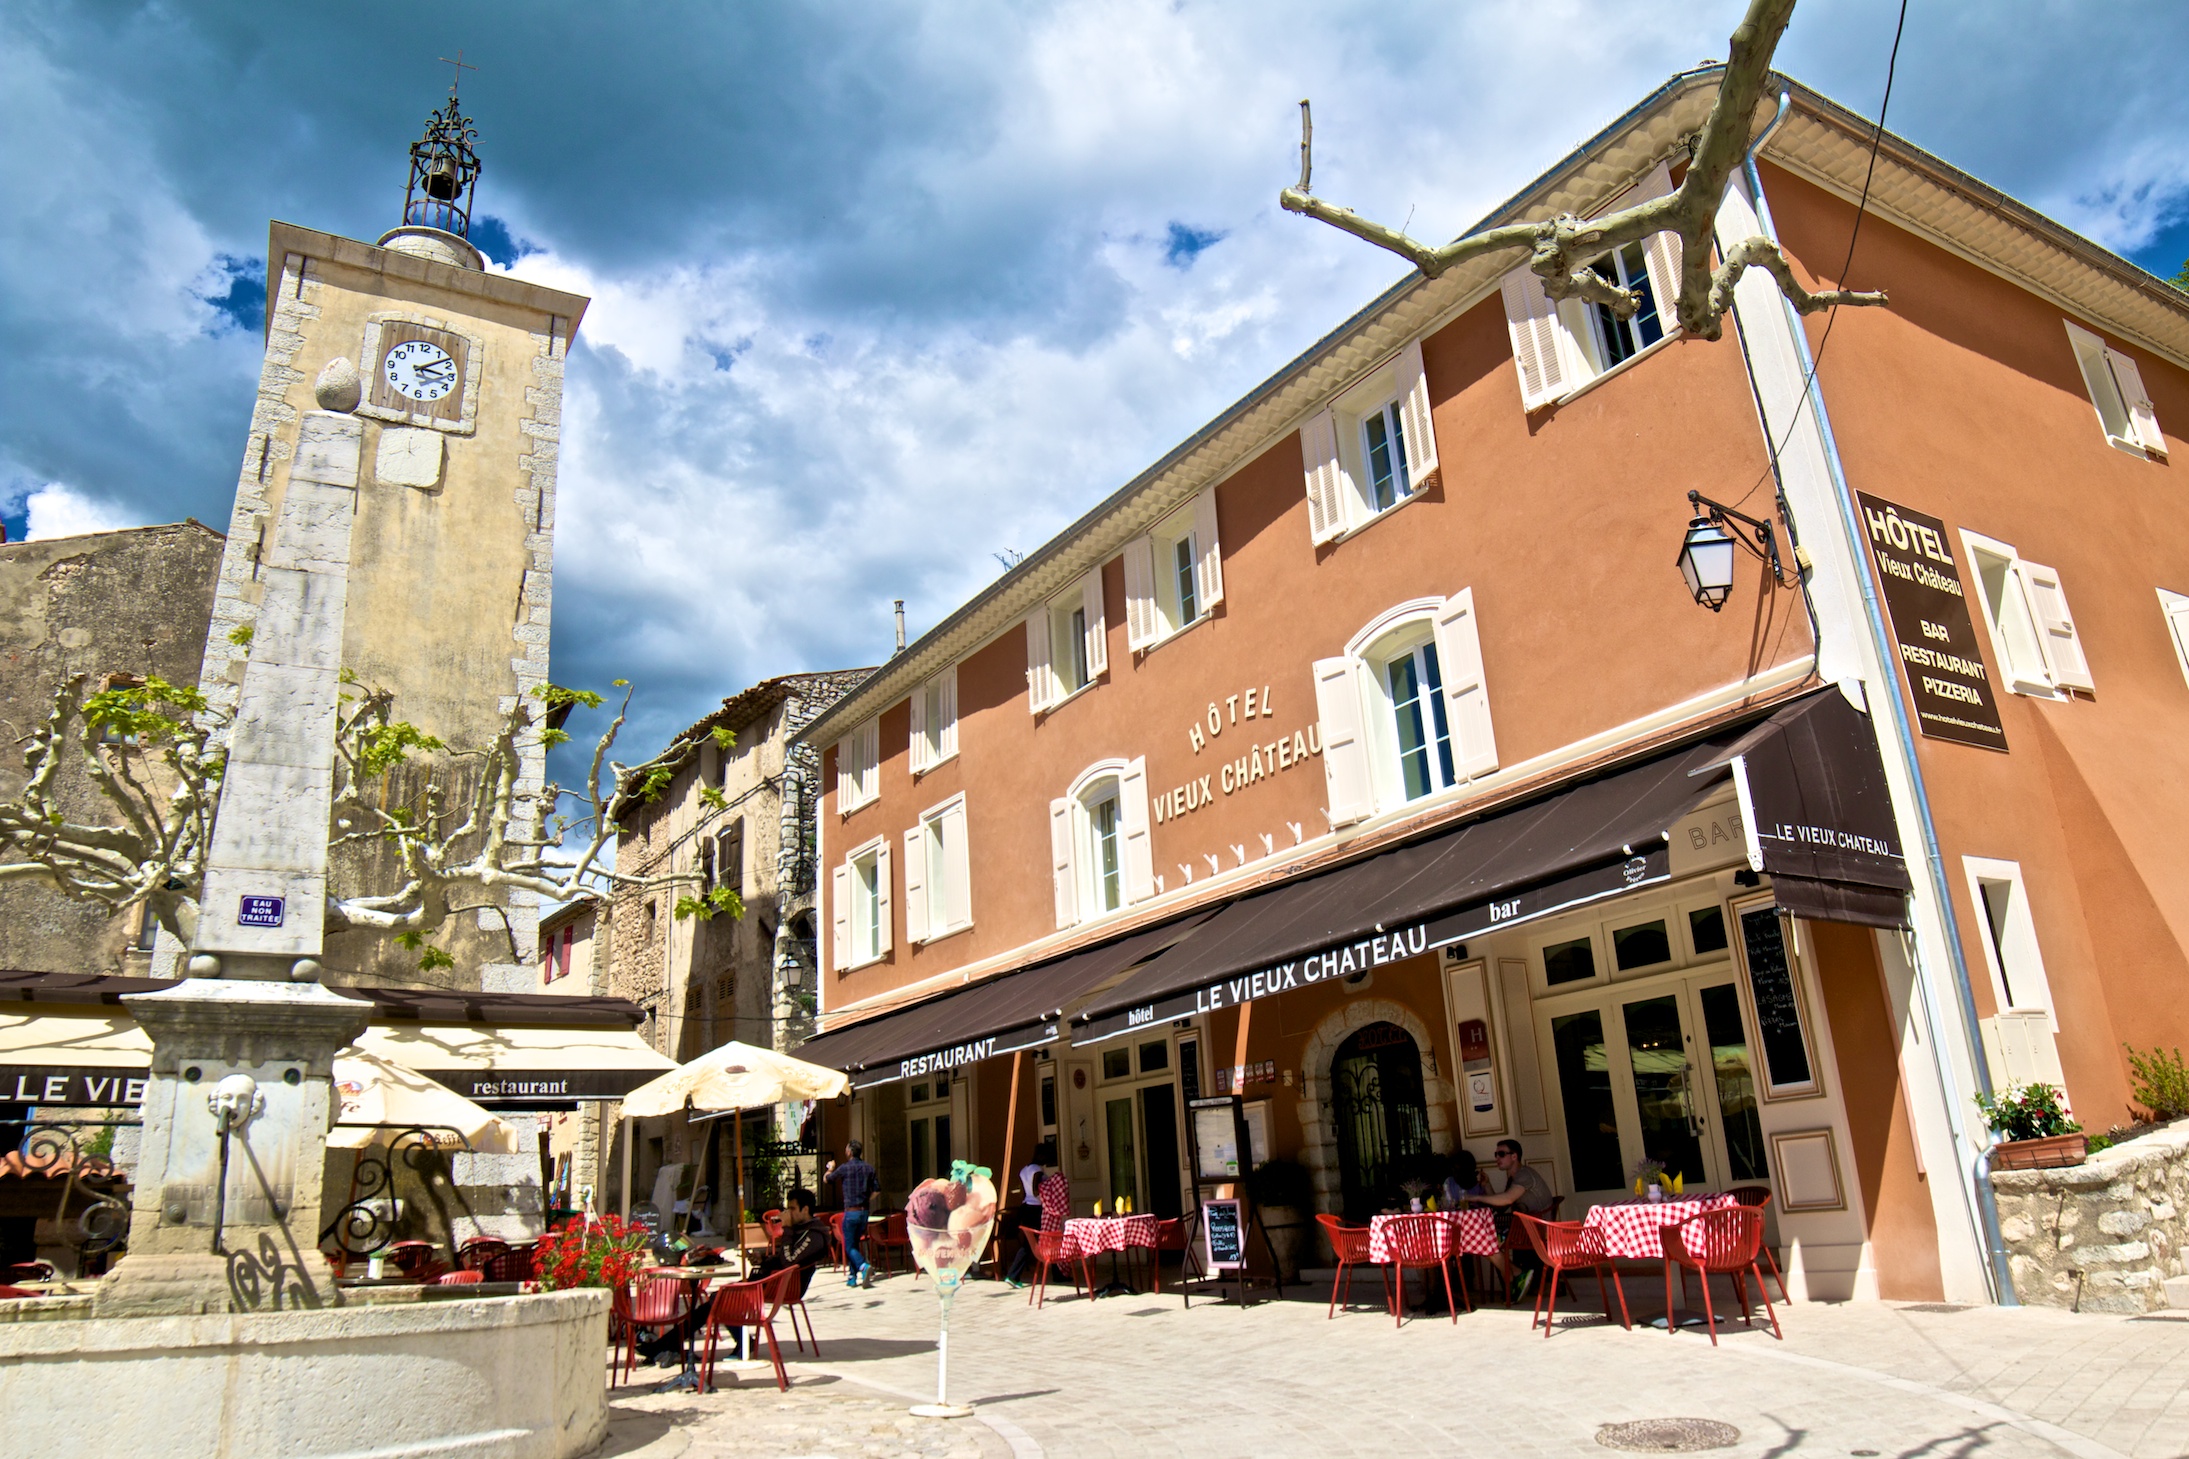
(441, 180)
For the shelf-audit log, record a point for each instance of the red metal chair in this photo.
(1423, 1240)
(468, 1278)
(886, 1239)
(1565, 1246)
(29, 1271)
(1051, 1250)
(1723, 1241)
(772, 1223)
(18, 1292)
(795, 1304)
(748, 1304)
(512, 1265)
(1171, 1235)
(474, 1254)
(1757, 1197)
(652, 1307)
(1350, 1244)
(418, 1260)
(836, 1241)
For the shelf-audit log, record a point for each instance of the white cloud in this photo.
(56, 510)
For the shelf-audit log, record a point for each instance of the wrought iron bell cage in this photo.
(444, 165)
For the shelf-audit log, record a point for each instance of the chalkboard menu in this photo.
(1778, 1005)
(1217, 1122)
(1224, 1225)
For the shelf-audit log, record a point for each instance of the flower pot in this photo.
(2044, 1154)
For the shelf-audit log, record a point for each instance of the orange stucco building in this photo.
(1367, 758)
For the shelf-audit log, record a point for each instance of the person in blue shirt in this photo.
(854, 1180)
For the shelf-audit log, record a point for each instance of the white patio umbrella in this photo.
(378, 1098)
(733, 1077)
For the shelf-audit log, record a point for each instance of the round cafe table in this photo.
(1474, 1232)
(1634, 1230)
(1084, 1236)
(698, 1277)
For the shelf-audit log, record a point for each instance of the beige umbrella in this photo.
(734, 1077)
(379, 1098)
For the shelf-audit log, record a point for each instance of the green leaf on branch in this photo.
(549, 738)
(724, 739)
(719, 902)
(713, 799)
(140, 712)
(555, 696)
(382, 747)
(652, 784)
(433, 957)
(241, 635)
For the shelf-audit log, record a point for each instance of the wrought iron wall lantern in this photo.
(1707, 553)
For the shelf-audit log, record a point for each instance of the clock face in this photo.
(420, 370)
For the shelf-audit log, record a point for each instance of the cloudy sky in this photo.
(880, 290)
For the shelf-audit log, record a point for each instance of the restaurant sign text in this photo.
(1933, 635)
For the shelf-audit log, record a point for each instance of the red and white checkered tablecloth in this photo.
(1633, 1229)
(1086, 1235)
(1474, 1233)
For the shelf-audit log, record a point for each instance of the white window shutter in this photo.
(915, 884)
(1098, 632)
(1136, 854)
(839, 916)
(1661, 251)
(1345, 741)
(958, 867)
(2056, 628)
(1208, 568)
(2176, 608)
(2142, 416)
(847, 772)
(947, 739)
(1141, 624)
(1459, 660)
(2095, 361)
(1326, 484)
(870, 759)
(1040, 673)
(1421, 435)
(882, 896)
(918, 750)
(1060, 861)
(1532, 317)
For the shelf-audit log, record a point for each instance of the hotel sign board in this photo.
(1933, 635)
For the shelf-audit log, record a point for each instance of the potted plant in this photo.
(2034, 1130)
(1283, 1193)
(599, 1251)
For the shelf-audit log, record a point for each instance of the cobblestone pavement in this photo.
(1141, 1376)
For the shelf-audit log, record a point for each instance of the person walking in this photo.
(854, 1180)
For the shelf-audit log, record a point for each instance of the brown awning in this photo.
(1819, 813)
(1002, 1015)
(1596, 839)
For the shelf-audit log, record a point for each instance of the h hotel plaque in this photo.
(1927, 603)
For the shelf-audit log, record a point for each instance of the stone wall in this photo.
(2103, 1236)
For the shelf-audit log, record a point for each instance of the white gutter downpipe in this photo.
(1979, 1172)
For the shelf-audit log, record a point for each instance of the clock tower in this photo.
(454, 374)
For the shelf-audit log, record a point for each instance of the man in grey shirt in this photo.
(1525, 1190)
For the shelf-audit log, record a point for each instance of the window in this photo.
(1706, 929)
(1174, 575)
(2124, 408)
(1404, 714)
(1067, 645)
(2175, 608)
(1569, 962)
(729, 858)
(859, 906)
(2032, 632)
(1117, 1063)
(1374, 448)
(2009, 935)
(937, 870)
(1561, 345)
(1644, 945)
(859, 767)
(927, 1124)
(935, 721)
(1101, 854)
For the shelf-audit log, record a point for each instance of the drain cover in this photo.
(1668, 1435)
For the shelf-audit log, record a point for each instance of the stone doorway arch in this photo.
(1318, 1128)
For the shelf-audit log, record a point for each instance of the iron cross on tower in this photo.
(461, 68)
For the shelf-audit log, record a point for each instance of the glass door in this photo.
(1660, 1074)
(1123, 1151)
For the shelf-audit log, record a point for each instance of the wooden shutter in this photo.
(1532, 317)
(1208, 567)
(1060, 861)
(2176, 608)
(1142, 626)
(957, 867)
(917, 752)
(946, 740)
(1345, 741)
(2056, 628)
(839, 917)
(1098, 632)
(1459, 660)
(1327, 487)
(2143, 418)
(882, 896)
(869, 741)
(915, 883)
(1040, 673)
(1660, 251)
(1136, 855)
(1421, 435)
(847, 774)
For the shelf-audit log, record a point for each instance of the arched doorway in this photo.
(1382, 1120)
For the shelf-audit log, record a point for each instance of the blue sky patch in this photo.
(237, 291)
(1186, 244)
(492, 237)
